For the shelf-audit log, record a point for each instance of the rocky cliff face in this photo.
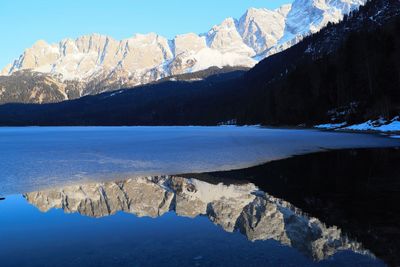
(242, 208)
(100, 63)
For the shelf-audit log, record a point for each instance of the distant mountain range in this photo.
(346, 73)
(92, 64)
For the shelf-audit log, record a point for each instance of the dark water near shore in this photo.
(336, 208)
(356, 190)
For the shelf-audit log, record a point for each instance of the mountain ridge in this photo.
(322, 79)
(101, 61)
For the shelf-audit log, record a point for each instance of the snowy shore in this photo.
(381, 125)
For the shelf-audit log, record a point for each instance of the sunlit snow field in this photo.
(37, 158)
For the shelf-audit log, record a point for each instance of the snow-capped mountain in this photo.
(101, 63)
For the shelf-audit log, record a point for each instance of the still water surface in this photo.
(113, 197)
(39, 157)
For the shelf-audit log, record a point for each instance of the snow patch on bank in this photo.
(330, 126)
(379, 125)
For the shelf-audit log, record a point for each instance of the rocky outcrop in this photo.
(242, 208)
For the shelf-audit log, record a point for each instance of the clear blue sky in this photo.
(22, 22)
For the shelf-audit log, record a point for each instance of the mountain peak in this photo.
(145, 36)
(252, 11)
(284, 9)
(40, 44)
(262, 28)
(227, 23)
(5, 71)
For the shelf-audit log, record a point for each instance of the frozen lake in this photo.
(43, 157)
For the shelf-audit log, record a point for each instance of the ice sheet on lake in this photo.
(38, 158)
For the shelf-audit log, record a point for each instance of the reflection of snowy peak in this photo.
(100, 61)
(240, 208)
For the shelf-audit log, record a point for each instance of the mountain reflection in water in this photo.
(337, 208)
(243, 208)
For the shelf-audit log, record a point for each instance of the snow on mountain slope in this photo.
(309, 16)
(263, 28)
(226, 39)
(100, 60)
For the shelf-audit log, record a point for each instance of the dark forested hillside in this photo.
(165, 103)
(349, 71)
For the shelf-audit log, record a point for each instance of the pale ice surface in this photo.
(37, 158)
